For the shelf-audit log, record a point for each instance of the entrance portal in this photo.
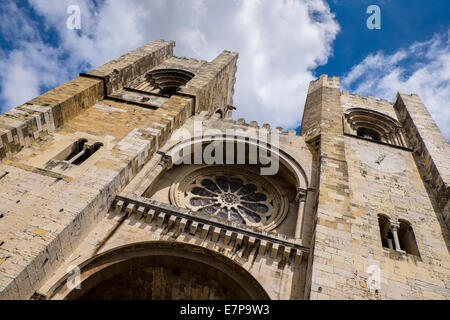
(157, 271)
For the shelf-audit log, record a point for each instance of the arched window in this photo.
(398, 236)
(373, 125)
(387, 238)
(167, 81)
(368, 134)
(407, 238)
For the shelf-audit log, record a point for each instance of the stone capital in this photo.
(166, 161)
(395, 226)
(301, 195)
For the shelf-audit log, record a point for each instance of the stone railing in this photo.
(207, 227)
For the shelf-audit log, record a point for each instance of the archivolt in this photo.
(112, 262)
(389, 129)
(286, 160)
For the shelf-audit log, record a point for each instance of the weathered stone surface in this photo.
(115, 204)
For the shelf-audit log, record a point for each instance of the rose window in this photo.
(235, 195)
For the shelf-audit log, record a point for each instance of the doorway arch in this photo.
(162, 270)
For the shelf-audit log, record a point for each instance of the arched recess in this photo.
(267, 155)
(386, 128)
(407, 238)
(384, 223)
(168, 81)
(161, 270)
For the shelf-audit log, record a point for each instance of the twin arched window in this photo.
(397, 236)
(78, 152)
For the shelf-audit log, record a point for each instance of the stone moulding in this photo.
(285, 158)
(278, 206)
(202, 226)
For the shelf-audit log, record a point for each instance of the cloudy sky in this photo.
(283, 45)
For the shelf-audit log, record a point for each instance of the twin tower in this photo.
(96, 204)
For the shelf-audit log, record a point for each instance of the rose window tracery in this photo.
(235, 195)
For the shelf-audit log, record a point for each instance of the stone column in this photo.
(390, 138)
(394, 229)
(390, 244)
(399, 138)
(301, 195)
(402, 138)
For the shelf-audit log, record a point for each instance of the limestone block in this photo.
(149, 216)
(183, 223)
(204, 232)
(140, 213)
(239, 239)
(160, 219)
(227, 237)
(193, 227)
(130, 209)
(274, 250)
(262, 247)
(119, 206)
(171, 221)
(216, 234)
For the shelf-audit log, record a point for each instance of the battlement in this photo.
(324, 81)
(251, 124)
(368, 99)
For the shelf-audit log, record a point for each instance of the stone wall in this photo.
(431, 150)
(47, 210)
(128, 67)
(22, 126)
(329, 270)
(273, 261)
(356, 186)
(213, 84)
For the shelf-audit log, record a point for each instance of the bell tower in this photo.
(381, 212)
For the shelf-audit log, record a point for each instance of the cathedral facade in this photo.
(133, 181)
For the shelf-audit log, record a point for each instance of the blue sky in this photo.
(283, 45)
(403, 23)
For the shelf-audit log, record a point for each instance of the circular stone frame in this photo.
(178, 192)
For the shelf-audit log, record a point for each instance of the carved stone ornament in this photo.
(231, 193)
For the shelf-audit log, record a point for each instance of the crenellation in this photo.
(241, 121)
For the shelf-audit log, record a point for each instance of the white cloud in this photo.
(423, 68)
(31, 64)
(279, 42)
(27, 70)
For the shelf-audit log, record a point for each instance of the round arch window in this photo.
(369, 134)
(237, 195)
